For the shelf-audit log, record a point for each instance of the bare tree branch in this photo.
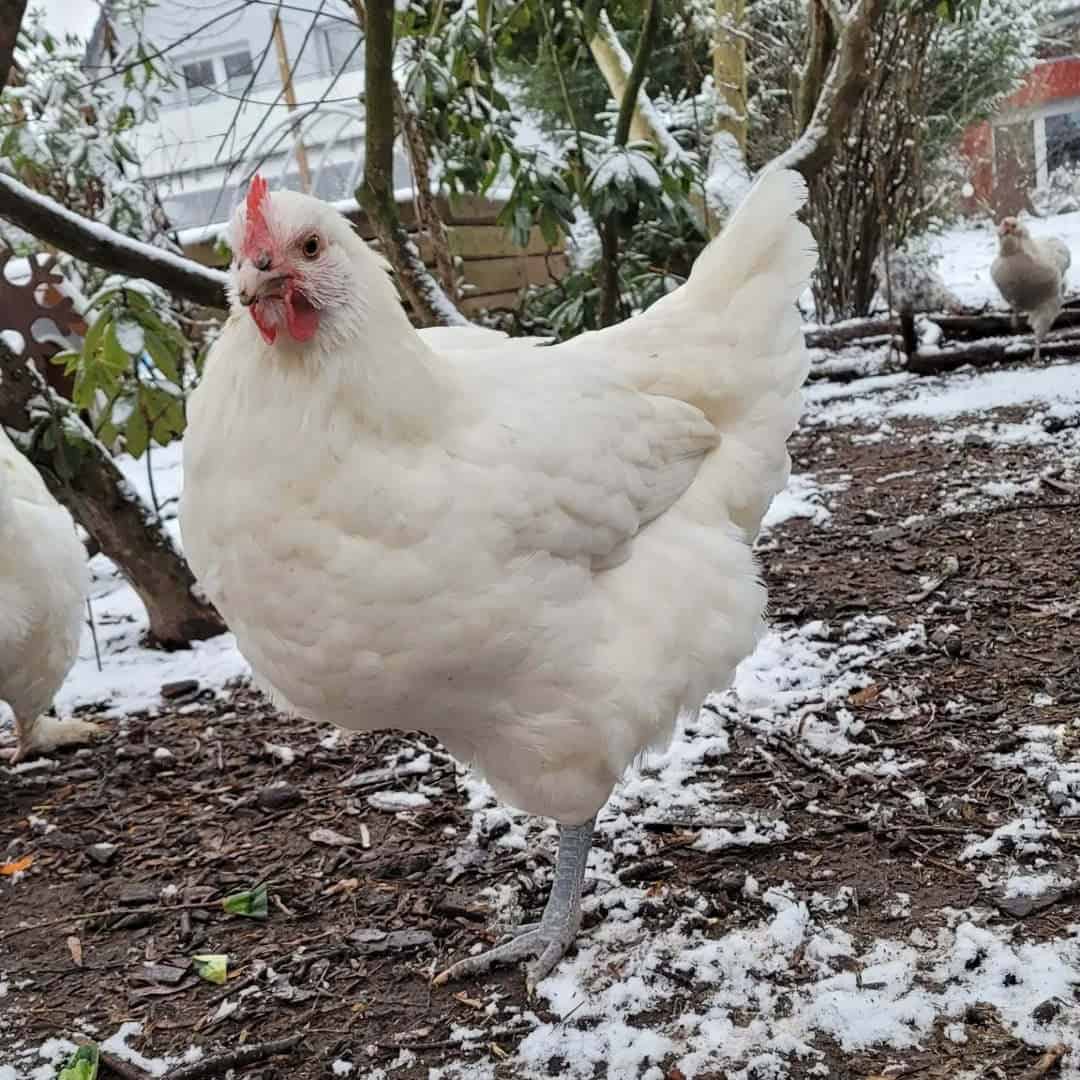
(840, 94)
(616, 67)
(427, 215)
(101, 246)
(11, 17)
(102, 501)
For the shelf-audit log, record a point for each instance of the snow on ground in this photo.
(131, 675)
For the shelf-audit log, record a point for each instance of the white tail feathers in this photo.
(763, 236)
(730, 342)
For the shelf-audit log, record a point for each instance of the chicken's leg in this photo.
(548, 939)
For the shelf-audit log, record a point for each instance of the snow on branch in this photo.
(616, 67)
(841, 91)
(101, 246)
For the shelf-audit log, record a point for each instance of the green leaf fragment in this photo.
(213, 967)
(251, 904)
(82, 1065)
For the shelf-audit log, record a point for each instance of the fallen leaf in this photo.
(18, 866)
(346, 885)
(250, 903)
(75, 948)
(213, 967)
(865, 695)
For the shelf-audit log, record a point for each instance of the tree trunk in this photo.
(629, 108)
(11, 17)
(427, 215)
(729, 70)
(614, 65)
(430, 304)
(102, 501)
(831, 107)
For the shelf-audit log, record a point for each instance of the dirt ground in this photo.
(218, 812)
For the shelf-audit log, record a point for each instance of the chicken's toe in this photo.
(545, 946)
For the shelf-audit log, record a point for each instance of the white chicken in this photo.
(1030, 275)
(539, 555)
(43, 588)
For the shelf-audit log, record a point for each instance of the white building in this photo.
(229, 111)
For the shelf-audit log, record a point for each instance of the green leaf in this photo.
(213, 967)
(136, 433)
(251, 904)
(114, 356)
(82, 1065)
(163, 348)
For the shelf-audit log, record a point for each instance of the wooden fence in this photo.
(494, 271)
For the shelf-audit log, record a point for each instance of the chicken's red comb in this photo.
(256, 231)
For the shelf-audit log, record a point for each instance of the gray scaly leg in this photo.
(548, 939)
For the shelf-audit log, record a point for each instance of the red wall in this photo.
(1051, 80)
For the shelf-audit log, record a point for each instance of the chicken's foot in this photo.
(547, 940)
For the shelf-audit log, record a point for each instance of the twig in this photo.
(93, 631)
(105, 913)
(236, 1059)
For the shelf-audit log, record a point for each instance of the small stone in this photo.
(1045, 1011)
(131, 893)
(181, 688)
(81, 776)
(369, 941)
(102, 854)
(65, 841)
(279, 797)
(132, 750)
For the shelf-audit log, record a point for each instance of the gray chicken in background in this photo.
(1030, 275)
(908, 282)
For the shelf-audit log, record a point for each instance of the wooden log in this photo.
(982, 354)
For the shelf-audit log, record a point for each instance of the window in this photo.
(198, 79)
(238, 71)
(342, 48)
(1062, 140)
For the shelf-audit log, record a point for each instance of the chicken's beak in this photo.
(258, 280)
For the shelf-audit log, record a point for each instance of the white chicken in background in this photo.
(43, 587)
(1030, 275)
(539, 555)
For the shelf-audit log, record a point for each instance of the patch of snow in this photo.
(802, 498)
(1024, 836)
(398, 800)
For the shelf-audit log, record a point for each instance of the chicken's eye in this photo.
(310, 247)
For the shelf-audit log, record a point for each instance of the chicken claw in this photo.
(547, 940)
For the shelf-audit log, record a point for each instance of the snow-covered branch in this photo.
(101, 246)
(615, 65)
(840, 93)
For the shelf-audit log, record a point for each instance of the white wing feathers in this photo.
(592, 459)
